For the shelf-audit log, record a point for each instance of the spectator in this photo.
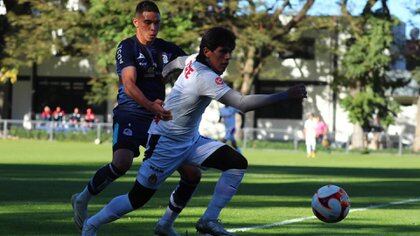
(89, 117)
(75, 117)
(46, 114)
(309, 133)
(58, 114)
(27, 124)
(321, 131)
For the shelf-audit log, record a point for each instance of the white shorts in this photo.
(166, 155)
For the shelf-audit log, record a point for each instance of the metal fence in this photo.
(52, 130)
(102, 132)
(290, 139)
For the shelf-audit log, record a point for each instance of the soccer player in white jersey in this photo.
(176, 142)
(227, 114)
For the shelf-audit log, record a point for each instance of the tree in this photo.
(109, 23)
(36, 32)
(95, 32)
(256, 24)
(364, 68)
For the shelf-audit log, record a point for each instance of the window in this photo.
(304, 48)
(66, 92)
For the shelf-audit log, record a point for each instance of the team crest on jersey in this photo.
(188, 70)
(219, 81)
(165, 59)
(141, 56)
(152, 179)
(128, 132)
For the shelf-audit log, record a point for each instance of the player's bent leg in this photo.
(233, 165)
(119, 206)
(190, 178)
(122, 161)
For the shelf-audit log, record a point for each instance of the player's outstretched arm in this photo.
(251, 102)
(176, 64)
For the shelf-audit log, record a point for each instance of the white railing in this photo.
(269, 134)
(98, 132)
(53, 128)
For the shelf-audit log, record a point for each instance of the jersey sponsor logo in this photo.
(188, 70)
(219, 81)
(156, 169)
(141, 56)
(142, 63)
(165, 59)
(128, 132)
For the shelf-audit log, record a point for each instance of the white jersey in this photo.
(192, 93)
(228, 115)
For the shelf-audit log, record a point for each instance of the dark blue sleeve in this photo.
(176, 52)
(124, 56)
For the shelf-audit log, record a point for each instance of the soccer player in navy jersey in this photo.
(177, 142)
(139, 63)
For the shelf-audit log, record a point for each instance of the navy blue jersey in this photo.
(149, 61)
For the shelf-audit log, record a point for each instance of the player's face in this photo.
(147, 26)
(219, 58)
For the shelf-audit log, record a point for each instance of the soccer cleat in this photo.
(211, 227)
(79, 210)
(88, 230)
(165, 230)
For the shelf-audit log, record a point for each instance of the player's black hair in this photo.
(216, 37)
(146, 6)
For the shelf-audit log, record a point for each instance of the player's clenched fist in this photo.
(157, 108)
(297, 92)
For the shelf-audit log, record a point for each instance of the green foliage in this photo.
(8, 75)
(363, 73)
(110, 22)
(37, 30)
(363, 105)
(367, 59)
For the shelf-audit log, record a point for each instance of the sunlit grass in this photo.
(37, 179)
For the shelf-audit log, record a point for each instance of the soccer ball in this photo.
(330, 204)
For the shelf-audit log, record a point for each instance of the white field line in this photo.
(297, 220)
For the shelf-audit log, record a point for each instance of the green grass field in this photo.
(37, 179)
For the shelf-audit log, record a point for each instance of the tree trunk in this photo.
(357, 139)
(416, 146)
(248, 71)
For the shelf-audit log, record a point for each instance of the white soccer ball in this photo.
(97, 141)
(330, 204)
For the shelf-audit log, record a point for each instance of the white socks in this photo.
(225, 189)
(114, 210)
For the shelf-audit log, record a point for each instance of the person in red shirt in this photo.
(46, 114)
(89, 117)
(58, 114)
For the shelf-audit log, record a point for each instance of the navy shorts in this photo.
(130, 131)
